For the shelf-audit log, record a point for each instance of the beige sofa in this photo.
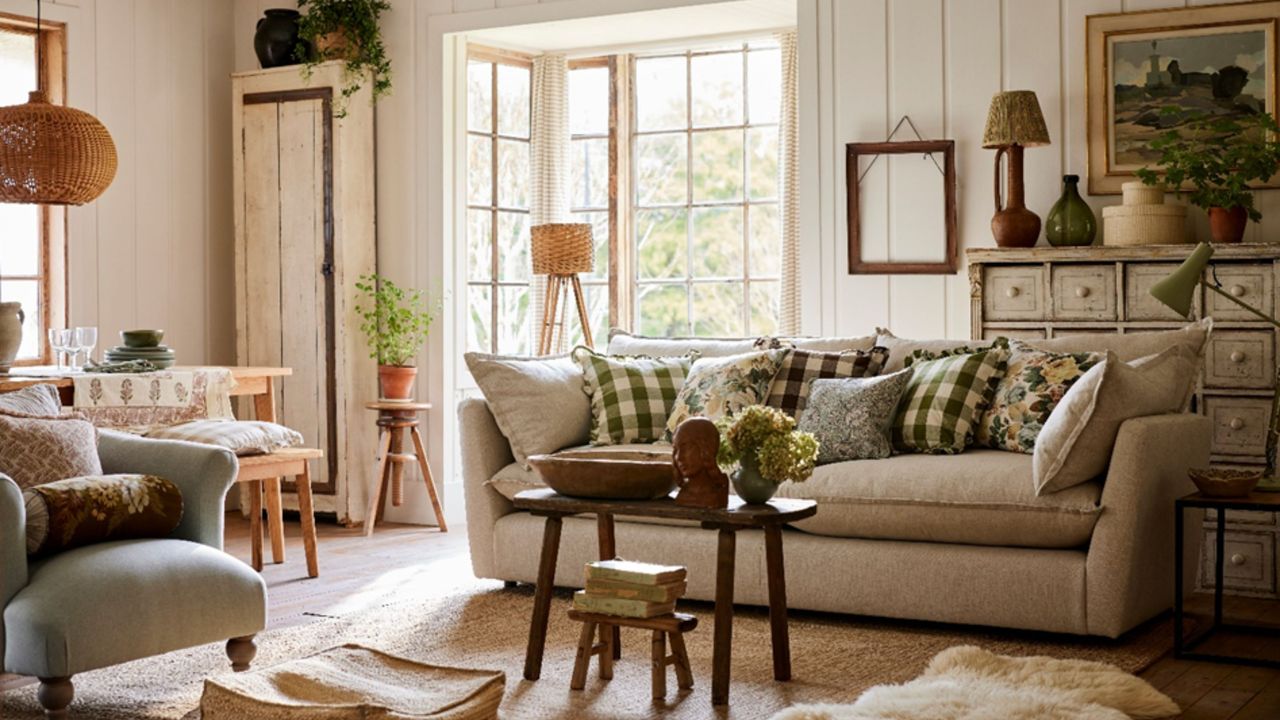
(957, 539)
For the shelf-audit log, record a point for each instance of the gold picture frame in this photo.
(1127, 93)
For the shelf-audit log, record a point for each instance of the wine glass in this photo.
(86, 339)
(60, 340)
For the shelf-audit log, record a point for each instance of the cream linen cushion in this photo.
(981, 497)
(540, 404)
(1075, 443)
(42, 399)
(242, 437)
(624, 343)
(1131, 346)
(901, 348)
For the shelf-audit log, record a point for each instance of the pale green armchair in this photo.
(96, 606)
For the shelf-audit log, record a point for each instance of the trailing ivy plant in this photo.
(1217, 156)
(395, 320)
(363, 51)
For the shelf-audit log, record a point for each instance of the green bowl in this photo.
(141, 338)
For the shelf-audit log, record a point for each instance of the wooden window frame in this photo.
(610, 283)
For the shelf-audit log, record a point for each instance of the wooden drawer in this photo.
(1249, 561)
(1252, 284)
(1242, 517)
(1018, 333)
(1138, 303)
(1013, 292)
(1084, 292)
(1239, 424)
(1240, 359)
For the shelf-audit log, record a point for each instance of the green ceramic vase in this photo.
(1071, 221)
(749, 484)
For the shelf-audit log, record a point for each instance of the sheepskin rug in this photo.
(969, 683)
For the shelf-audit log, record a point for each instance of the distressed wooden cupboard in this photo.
(304, 232)
(1052, 292)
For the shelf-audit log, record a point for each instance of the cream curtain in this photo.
(548, 161)
(788, 183)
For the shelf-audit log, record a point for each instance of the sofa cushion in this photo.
(541, 404)
(983, 497)
(1132, 345)
(789, 391)
(720, 387)
(902, 348)
(850, 417)
(622, 342)
(631, 397)
(35, 450)
(42, 399)
(1033, 384)
(242, 437)
(944, 399)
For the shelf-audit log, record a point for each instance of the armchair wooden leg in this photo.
(55, 695)
(241, 651)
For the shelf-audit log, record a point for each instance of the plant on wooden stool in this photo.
(768, 450)
(396, 322)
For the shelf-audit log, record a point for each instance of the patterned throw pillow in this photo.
(631, 397)
(850, 417)
(86, 510)
(35, 450)
(944, 399)
(790, 388)
(718, 387)
(1033, 384)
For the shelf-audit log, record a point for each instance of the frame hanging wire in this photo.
(905, 119)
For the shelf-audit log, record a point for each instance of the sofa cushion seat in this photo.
(981, 497)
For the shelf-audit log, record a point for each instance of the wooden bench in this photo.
(264, 473)
(665, 627)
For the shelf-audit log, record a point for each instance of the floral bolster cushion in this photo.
(87, 510)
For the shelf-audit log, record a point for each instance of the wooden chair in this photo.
(665, 627)
(264, 474)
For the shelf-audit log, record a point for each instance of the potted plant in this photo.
(1216, 157)
(396, 322)
(346, 30)
(768, 450)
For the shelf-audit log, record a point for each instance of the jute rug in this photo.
(481, 625)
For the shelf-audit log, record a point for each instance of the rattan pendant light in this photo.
(51, 154)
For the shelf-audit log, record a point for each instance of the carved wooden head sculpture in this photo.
(702, 484)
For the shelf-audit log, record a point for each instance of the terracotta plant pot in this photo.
(335, 45)
(1227, 226)
(396, 381)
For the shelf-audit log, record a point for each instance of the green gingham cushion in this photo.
(943, 401)
(631, 396)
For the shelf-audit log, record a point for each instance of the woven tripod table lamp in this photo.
(561, 251)
(1177, 290)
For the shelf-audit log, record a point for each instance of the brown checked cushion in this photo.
(35, 450)
(790, 389)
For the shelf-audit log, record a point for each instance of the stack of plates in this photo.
(161, 356)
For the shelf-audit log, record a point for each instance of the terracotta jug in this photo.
(11, 319)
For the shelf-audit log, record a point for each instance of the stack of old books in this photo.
(630, 589)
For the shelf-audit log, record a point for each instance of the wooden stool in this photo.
(393, 419)
(664, 627)
(264, 473)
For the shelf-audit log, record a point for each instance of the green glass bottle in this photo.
(1071, 221)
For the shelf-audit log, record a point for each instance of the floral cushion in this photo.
(36, 449)
(850, 417)
(86, 510)
(720, 387)
(1033, 384)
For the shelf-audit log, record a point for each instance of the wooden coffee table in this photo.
(738, 516)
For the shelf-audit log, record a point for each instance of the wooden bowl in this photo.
(618, 475)
(1224, 483)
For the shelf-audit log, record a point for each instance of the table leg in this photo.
(608, 551)
(255, 523)
(542, 597)
(777, 602)
(375, 490)
(1178, 522)
(307, 512)
(275, 518)
(723, 648)
(1220, 555)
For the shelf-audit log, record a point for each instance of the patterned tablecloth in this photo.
(141, 402)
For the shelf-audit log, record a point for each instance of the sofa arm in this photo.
(203, 473)
(485, 451)
(1129, 574)
(13, 542)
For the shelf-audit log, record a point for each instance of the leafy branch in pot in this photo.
(396, 321)
(347, 30)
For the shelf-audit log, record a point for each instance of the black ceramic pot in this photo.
(276, 41)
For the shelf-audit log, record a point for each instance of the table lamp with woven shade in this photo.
(1014, 122)
(561, 251)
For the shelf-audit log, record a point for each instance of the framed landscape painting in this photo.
(1150, 72)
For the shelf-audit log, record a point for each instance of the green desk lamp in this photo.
(1176, 292)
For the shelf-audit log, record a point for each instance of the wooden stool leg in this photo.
(307, 511)
(393, 469)
(397, 468)
(426, 475)
(659, 664)
(375, 490)
(684, 673)
(255, 522)
(275, 518)
(586, 643)
(606, 652)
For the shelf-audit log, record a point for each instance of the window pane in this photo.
(479, 96)
(766, 241)
(660, 94)
(660, 243)
(661, 174)
(590, 180)
(763, 161)
(26, 292)
(478, 319)
(663, 310)
(513, 174)
(717, 165)
(717, 242)
(717, 310)
(513, 100)
(764, 80)
(479, 169)
(17, 67)
(479, 245)
(765, 306)
(600, 238)
(514, 264)
(589, 101)
(717, 89)
(513, 320)
(766, 42)
(19, 239)
(597, 297)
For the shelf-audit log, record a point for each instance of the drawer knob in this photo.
(1237, 290)
(1238, 559)
(1082, 292)
(1013, 291)
(1236, 423)
(1237, 357)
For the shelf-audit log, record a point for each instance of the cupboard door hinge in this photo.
(326, 269)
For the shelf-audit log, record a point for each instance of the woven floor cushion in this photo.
(351, 682)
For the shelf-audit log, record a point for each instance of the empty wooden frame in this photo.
(918, 200)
